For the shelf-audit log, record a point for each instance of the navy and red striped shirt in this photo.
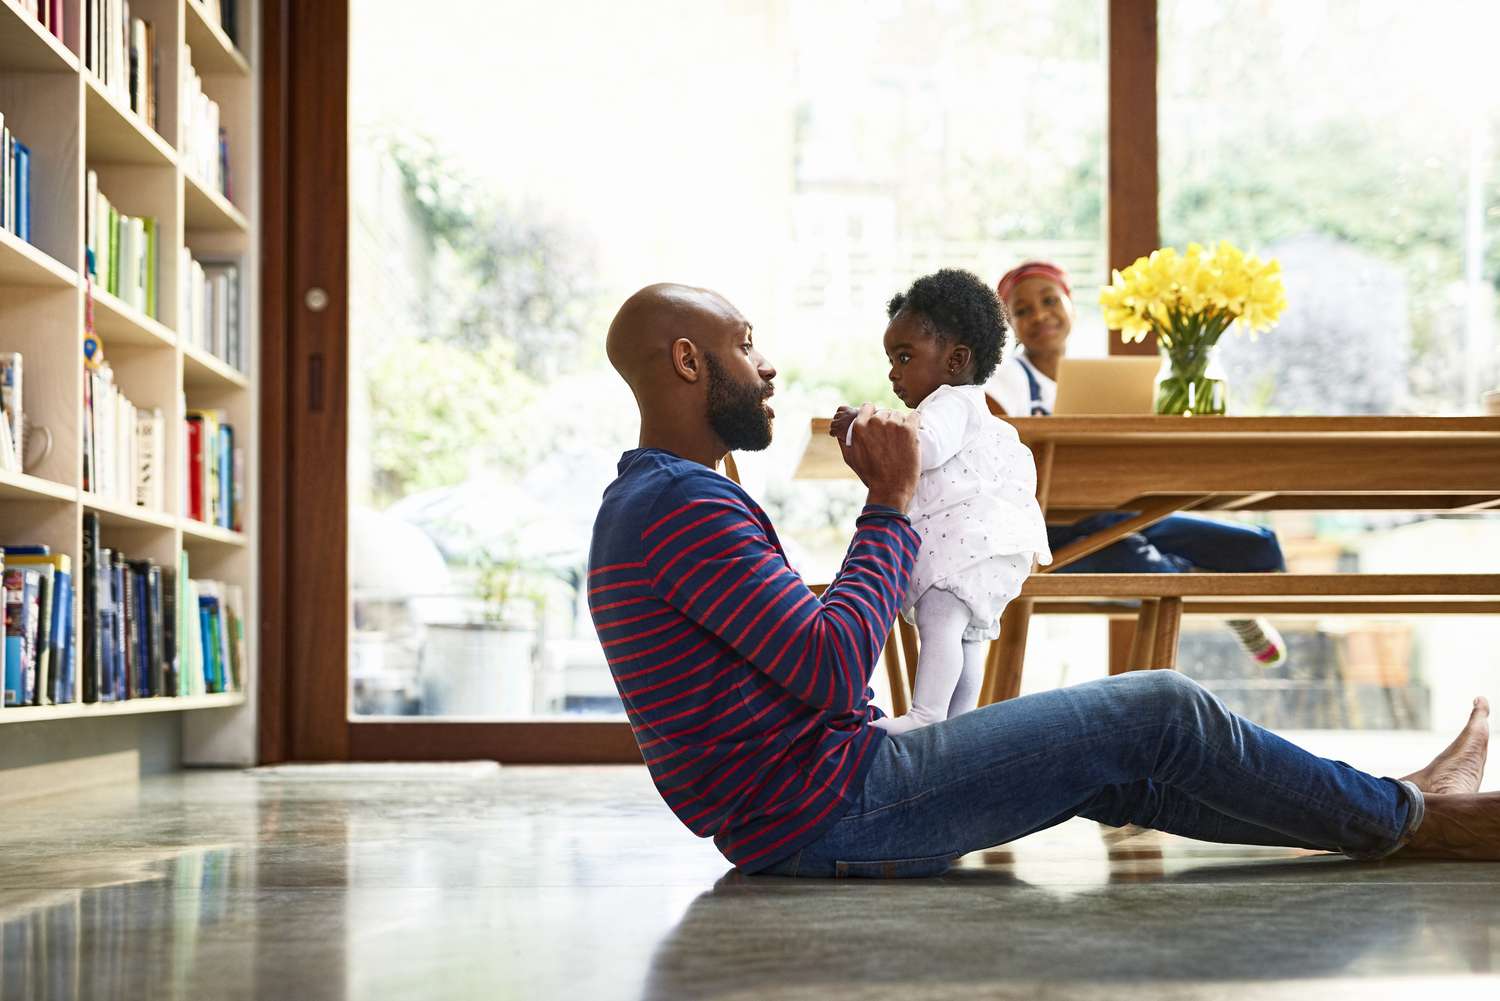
(747, 693)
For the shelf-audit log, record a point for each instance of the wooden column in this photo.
(1134, 228)
(1133, 202)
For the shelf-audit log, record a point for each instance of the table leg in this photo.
(896, 674)
(1007, 655)
(1144, 641)
(1168, 628)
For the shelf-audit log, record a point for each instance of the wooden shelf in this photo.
(195, 531)
(118, 323)
(206, 209)
(23, 264)
(201, 370)
(115, 514)
(115, 134)
(22, 486)
(129, 707)
(213, 52)
(26, 45)
(76, 125)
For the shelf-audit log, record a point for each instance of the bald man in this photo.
(749, 699)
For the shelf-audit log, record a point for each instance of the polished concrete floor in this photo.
(576, 883)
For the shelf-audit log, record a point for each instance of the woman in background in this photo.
(1025, 384)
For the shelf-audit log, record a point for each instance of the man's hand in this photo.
(884, 454)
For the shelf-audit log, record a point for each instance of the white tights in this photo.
(949, 671)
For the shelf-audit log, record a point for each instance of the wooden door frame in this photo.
(304, 517)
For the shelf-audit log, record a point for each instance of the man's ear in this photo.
(958, 359)
(687, 361)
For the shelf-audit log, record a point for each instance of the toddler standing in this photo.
(975, 506)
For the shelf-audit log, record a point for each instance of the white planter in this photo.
(478, 670)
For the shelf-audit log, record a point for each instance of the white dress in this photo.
(975, 509)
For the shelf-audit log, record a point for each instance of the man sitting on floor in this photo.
(748, 695)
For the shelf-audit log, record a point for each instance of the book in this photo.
(12, 404)
(150, 428)
(238, 649)
(190, 639)
(148, 266)
(21, 621)
(23, 192)
(119, 685)
(5, 176)
(224, 477)
(129, 632)
(222, 336)
(9, 461)
(112, 254)
(195, 468)
(171, 683)
(155, 635)
(93, 638)
(91, 221)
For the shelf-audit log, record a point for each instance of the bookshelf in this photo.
(74, 124)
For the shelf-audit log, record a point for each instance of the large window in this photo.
(1356, 142)
(511, 185)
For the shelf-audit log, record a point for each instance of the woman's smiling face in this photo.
(1042, 313)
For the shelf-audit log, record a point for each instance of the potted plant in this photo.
(484, 665)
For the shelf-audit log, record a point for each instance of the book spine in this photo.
(40, 693)
(117, 595)
(62, 639)
(93, 640)
(14, 583)
(155, 651)
(171, 684)
(195, 468)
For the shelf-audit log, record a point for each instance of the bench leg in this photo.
(1007, 655)
(896, 675)
(1144, 641)
(1168, 628)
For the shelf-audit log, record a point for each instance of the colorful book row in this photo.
(121, 250)
(15, 183)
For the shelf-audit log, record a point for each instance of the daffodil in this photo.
(1189, 300)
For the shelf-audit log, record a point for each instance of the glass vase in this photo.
(1191, 381)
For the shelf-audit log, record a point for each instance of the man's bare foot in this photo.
(1459, 826)
(1460, 767)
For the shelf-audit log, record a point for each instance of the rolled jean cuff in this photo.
(1417, 810)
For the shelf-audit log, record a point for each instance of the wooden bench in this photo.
(1158, 602)
(1165, 598)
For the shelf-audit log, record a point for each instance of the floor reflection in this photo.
(1313, 917)
(138, 938)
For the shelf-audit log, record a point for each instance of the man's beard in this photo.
(735, 410)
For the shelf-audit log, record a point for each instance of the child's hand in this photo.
(843, 417)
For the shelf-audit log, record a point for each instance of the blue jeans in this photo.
(1150, 748)
(1178, 544)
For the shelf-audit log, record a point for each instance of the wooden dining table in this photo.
(1153, 467)
(1158, 466)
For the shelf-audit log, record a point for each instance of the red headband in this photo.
(1033, 269)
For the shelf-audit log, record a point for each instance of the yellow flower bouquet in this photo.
(1188, 300)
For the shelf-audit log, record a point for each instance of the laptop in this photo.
(1124, 384)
